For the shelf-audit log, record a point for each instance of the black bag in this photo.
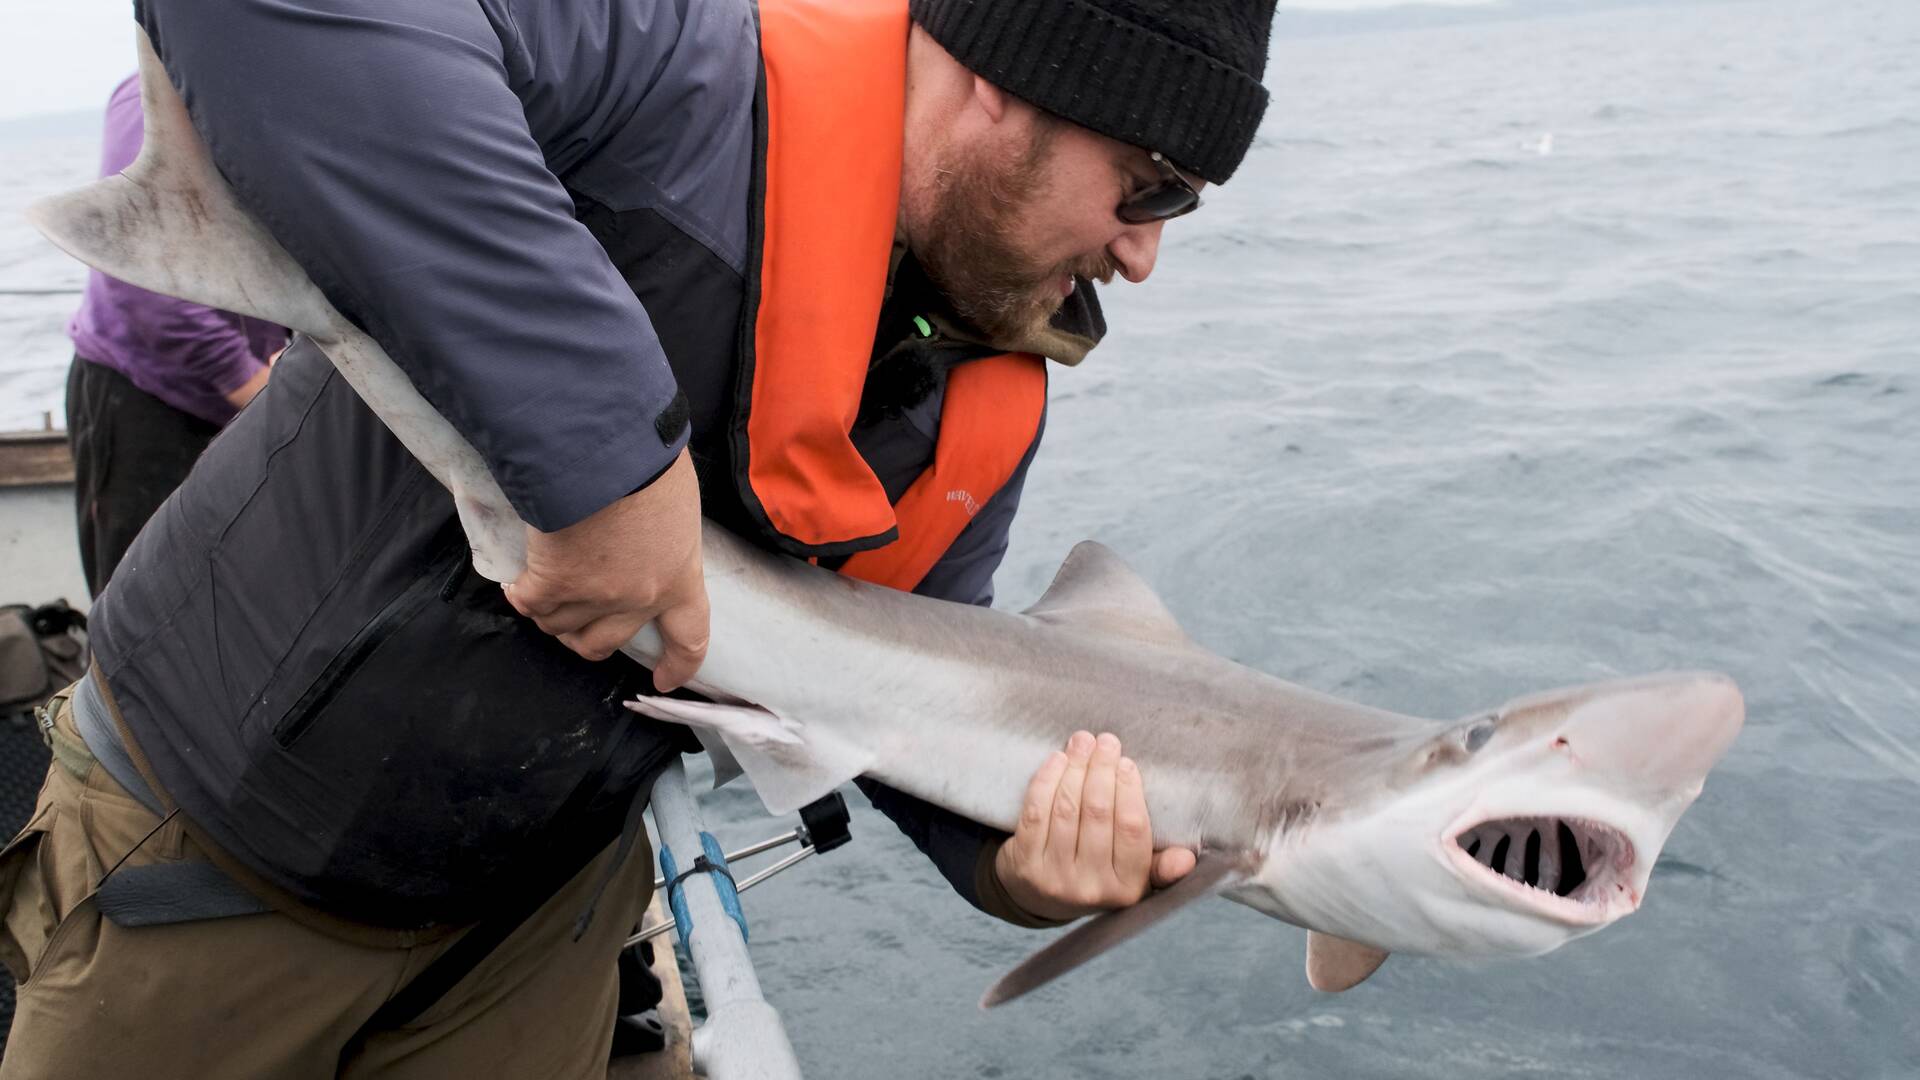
(42, 651)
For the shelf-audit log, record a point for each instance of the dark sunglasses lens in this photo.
(1158, 204)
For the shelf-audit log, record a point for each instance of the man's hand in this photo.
(1084, 843)
(595, 583)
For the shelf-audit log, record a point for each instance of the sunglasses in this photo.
(1169, 198)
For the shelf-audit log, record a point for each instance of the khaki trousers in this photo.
(261, 996)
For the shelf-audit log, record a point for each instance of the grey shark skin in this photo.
(1506, 833)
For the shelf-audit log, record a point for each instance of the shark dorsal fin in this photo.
(1094, 588)
(1335, 964)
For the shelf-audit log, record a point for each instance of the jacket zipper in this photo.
(398, 610)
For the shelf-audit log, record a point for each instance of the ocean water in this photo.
(39, 286)
(1518, 354)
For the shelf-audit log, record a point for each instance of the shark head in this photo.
(1510, 832)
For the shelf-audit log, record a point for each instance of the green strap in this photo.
(71, 753)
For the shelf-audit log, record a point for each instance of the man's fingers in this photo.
(1172, 864)
(568, 620)
(528, 598)
(1132, 831)
(1063, 832)
(600, 638)
(684, 630)
(1036, 812)
(1095, 849)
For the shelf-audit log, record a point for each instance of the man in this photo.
(347, 809)
(154, 379)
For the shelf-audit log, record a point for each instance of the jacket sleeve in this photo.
(385, 146)
(962, 849)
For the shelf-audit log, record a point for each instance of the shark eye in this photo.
(1478, 734)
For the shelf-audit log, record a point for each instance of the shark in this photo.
(1508, 832)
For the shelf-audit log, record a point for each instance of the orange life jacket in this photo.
(831, 128)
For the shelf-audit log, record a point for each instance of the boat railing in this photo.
(743, 1036)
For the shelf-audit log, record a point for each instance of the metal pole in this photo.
(743, 1038)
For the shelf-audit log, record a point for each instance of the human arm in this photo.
(241, 395)
(199, 346)
(392, 155)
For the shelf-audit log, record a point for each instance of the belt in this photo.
(151, 894)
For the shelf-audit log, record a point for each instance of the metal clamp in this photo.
(824, 826)
(713, 861)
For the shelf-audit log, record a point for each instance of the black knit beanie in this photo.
(1178, 76)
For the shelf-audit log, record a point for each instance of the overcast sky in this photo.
(63, 55)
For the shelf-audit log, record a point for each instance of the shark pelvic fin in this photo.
(1216, 871)
(1335, 964)
(725, 768)
(790, 766)
(1096, 589)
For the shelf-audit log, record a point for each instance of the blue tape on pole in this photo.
(676, 896)
(723, 883)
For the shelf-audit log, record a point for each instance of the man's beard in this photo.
(971, 246)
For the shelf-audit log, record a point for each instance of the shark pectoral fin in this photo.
(1095, 589)
(790, 766)
(1335, 964)
(1216, 871)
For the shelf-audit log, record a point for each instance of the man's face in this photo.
(1015, 218)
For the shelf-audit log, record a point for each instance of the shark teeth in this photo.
(1560, 857)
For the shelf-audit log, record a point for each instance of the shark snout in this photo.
(1569, 812)
(1660, 734)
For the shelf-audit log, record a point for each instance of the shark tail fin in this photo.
(789, 764)
(1215, 872)
(1335, 964)
(170, 224)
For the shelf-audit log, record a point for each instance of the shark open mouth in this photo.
(1571, 867)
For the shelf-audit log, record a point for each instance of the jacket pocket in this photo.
(397, 612)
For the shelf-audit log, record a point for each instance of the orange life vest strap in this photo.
(988, 421)
(835, 107)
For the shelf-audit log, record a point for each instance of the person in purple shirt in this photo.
(154, 379)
